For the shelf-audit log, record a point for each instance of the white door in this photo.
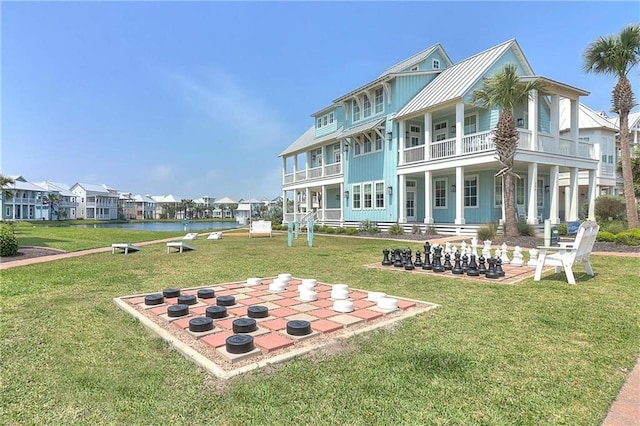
(411, 201)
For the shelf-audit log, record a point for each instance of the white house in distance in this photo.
(98, 202)
(27, 202)
(67, 207)
(224, 208)
(410, 147)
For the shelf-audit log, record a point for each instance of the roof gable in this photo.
(407, 64)
(587, 118)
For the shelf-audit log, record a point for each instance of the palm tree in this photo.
(504, 90)
(5, 181)
(54, 201)
(617, 55)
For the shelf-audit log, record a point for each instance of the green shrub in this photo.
(629, 238)
(316, 228)
(615, 227)
(396, 229)
(352, 231)
(487, 232)
(8, 241)
(526, 230)
(430, 230)
(562, 229)
(415, 230)
(329, 230)
(341, 230)
(606, 236)
(368, 227)
(610, 206)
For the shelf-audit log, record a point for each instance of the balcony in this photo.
(315, 173)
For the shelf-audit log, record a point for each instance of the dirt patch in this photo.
(30, 252)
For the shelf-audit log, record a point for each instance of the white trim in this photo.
(446, 193)
(477, 179)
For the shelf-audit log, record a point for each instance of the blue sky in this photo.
(199, 98)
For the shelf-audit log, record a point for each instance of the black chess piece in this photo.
(403, 256)
(418, 262)
(482, 268)
(408, 264)
(427, 265)
(499, 269)
(385, 259)
(491, 270)
(473, 267)
(397, 260)
(457, 267)
(447, 262)
(465, 262)
(437, 259)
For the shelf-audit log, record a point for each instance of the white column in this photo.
(554, 119)
(323, 202)
(554, 194)
(402, 196)
(573, 194)
(308, 195)
(593, 193)
(322, 153)
(284, 167)
(295, 166)
(284, 205)
(427, 136)
(401, 141)
(575, 108)
(532, 210)
(503, 209)
(532, 109)
(343, 202)
(459, 127)
(459, 196)
(428, 205)
(296, 204)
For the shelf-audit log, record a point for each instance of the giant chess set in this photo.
(231, 328)
(468, 260)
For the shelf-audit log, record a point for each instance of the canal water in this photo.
(163, 226)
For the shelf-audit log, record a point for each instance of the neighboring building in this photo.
(167, 207)
(98, 202)
(204, 207)
(223, 208)
(27, 203)
(65, 207)
(247, 209)
(409, 147)
(140, 207)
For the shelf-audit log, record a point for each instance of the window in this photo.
(378, 100)
(367, 196)
(414, 68)
(331, 118)
(356, 110)
(357, 149)
(316, 157)
(336, 153)
(366, 112)
(319, 123)
(379, 195)
(520, 191)
(540, 193)
(470, 124)
(497, 191)
(367, 145)
(436, 64)
(415, 133)
(611, 159)
(355, 189)
(471, 191)
(440, 131)
(325, 120)
(440, 193)
(378, 142)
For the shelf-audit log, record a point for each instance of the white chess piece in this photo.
(517, 257)
(447, 247)
(505, 255)
(486, 250)
(533, 258)
(474, 245)
(463, 247)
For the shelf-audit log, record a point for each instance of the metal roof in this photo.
(572, 90)
(416, 59)
(307, 140)
(225, 200)
(587, 118)
(361, 128)
(633, 122)
(454, 82)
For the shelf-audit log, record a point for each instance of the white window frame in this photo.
(355, 111)
(520, 185)
(369, 186)
(435, 193)
(379, 195)
(379, 143)
(318, 122)
(366, 107)
(378, 101)
(331, 117)
(337, 155)
(357, 148)
(442, 130)
(497, 191)
(415, 132)
(367, 146)
(540, 194)
(435, 64)
(466, 179)
(464, 126)
(356, 195)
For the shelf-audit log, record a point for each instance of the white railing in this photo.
(314, 172)
(478, 142)
(607, 169)
(331, 214)
(442, 149)
(333, 169)
(585, 150)
(565, 147)
(288, 178)
(414, 154)
(301, 176)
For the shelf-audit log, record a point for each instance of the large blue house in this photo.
(409, 147)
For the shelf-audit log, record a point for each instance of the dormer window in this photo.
(356, 111)
(325, 120)
(378, 100)
(414, 68)
(436, 64)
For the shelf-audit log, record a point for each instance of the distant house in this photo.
(98, 202)
(248, 209)
(223, 208)
(203, 207)
(167, 207)
(410, 147)
(66, 206)
(140, 207)
(27, 202)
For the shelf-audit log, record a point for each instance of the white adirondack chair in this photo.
(569, 254)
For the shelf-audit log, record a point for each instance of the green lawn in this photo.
(525, 354)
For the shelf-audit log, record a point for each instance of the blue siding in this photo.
(406, 88)
(507, 58)
(544, 115)
(333, 198)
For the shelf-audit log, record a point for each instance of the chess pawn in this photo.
(473, 267)
(474, 244)
(482, 268)
(457, 268)
(397, 263)
(504, 254)
(491, 271)
(499, 269)
(517, 256)
(437, 259)
(408, 264)
(447, 247)
(418, 262)
(533, 258)
(465, 262)
(486, 250)
(463, 247)
(427, 265)
(447, 262)
(385, 260)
